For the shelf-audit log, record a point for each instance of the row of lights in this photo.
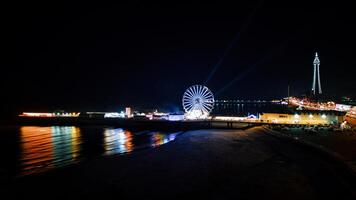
(310, 116)
(31, 114)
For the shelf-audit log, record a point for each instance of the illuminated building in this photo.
(316, 74)
(142, 116)
(175, 117)
(342, 107)
(160, 116)
(351, 116)
(306, 104)
(128, 112)
(114, 115)
(304, 117)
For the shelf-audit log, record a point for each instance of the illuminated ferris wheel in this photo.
(198, 101)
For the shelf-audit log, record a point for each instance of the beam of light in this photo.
(248, 70)
(233, 41)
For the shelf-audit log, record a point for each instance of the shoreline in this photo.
(136, 124)
(209, 163)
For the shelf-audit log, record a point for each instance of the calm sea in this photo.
(34, 149)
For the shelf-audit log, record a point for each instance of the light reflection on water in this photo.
(117, 141)
(159, 138)
(43, 148)
(122, 141)
(48, 147)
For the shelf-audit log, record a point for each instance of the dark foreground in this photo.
(207, 164)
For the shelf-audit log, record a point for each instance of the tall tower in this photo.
(316, 73)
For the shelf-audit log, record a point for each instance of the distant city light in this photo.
(128, 112)
(33, 114)
(175, 117)
(30, 114)
(310, 105)
(226, 118)
(114, 115)
(284, 103)
(343, 107)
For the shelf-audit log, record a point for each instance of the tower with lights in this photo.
(316, 75)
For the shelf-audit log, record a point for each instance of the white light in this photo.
(252, 116)
(198, 101)
(226, 118)
(323, 116)
(296, 116)
(114, 115)
(311, 116)
(175, 117)
(196, 114)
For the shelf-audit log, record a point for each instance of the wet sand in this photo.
(342, 143)
(209, 164)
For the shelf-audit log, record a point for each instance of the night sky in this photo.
(81, 57)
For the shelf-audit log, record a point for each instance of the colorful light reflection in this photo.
(46, 147)
(158, 138)
(117, 141)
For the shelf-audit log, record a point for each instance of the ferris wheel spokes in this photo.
(198, 101)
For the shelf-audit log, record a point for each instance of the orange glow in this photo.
(128, 143)
(44, 148)
(158, 139)
(33, 114)
(37, 147)
(29, 114)
(75, 141)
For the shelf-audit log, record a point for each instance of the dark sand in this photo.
(204, 164)
(343, 143)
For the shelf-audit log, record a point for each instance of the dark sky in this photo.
(105, 57)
